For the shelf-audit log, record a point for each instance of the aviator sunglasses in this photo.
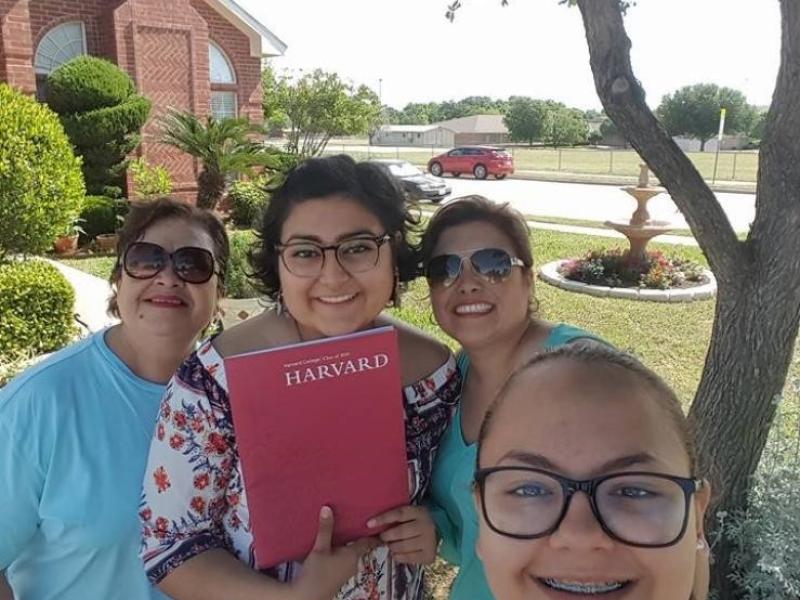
(144, 260)
(491, 264)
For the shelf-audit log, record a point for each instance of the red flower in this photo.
(176, 441)
(233, 499)
(201, 481)
(161, 527)
(160, 432)
(197, 424)
(216, 443)
(161, 479)
(180, 419)
(165, 409)
(198, 504)
(146, 514)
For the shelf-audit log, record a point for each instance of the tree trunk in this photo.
(703, 145)
(210, 189)
(758, 302)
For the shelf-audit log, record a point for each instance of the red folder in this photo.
(319, 423)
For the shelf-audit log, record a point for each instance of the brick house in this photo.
(198, 55)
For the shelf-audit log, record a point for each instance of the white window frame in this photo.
(212, 46)
(42, 70)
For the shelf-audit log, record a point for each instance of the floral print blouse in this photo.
(193, 496)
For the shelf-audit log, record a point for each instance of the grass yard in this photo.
(99, 266)
(732, 166)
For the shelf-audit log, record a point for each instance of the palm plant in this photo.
(224, 148)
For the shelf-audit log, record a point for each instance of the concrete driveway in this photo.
(593, 202)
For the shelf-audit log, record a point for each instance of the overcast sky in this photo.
(532, 47)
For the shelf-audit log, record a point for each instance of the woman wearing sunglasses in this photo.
(587, 483)
(477, 259)
(332, 254)
(75, 429)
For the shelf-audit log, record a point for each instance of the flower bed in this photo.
(615, 268)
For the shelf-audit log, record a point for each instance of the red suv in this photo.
(478, 160)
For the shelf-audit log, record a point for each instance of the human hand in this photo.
(412, 540)
(327, 569)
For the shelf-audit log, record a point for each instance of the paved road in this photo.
(594, 202)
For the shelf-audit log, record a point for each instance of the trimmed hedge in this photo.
(41, 187)
(112, 122)
(248, 199)
(238, 282)
(36, 309)
(99, 215)
(87, 83)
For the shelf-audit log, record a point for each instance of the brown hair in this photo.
(478, 209)
(604, 356)
(143, 215)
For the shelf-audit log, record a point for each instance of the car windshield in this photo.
(403, 169)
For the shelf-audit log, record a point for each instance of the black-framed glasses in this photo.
(647, 510)
(355, 255)
(145, 260)
(491, 264)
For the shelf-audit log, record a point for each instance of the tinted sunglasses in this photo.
(143, 260)
(492, 264)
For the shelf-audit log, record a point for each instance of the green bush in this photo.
(248, 199)
(150, 181)
(238, 282)
(41, 187)
(100, 214)
(102, 115)
(36, 309)
(87, 83)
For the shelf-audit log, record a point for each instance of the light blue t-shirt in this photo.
(75, 431)
(451, 502)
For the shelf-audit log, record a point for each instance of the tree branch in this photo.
(623, 99)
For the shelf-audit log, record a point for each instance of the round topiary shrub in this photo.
(100, 214)
(87, 83)
(248, 199)
(102, 115)
(36, 309)
(41, 187)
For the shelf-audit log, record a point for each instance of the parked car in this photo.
(481, 161)
(416, 183)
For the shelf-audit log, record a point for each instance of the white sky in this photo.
(532, 47)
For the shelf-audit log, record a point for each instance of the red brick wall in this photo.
(236, 46)
(16, 51)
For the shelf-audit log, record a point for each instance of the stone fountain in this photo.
(641, 228)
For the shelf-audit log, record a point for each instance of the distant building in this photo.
(477, 129)
(729, 142)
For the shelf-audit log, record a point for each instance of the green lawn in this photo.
(732, 166)
(99, 266)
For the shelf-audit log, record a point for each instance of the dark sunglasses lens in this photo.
(492, 263)
(193, 265)
(143, 260)
(444, 268)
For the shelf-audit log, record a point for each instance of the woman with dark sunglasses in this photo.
(75, 429)
(332, 253)
(586, 483)
(477, 258)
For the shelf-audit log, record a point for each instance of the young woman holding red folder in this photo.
(332, 254)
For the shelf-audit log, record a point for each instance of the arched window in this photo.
(223, 102)
(59, 45)
(220, 67)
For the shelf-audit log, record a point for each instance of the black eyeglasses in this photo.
(355, 255)
(491, 264)
(144, 260)
(647, 510)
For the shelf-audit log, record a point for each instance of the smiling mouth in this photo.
(478, 308)
(336, 299)
(583, 588)
(166, 302)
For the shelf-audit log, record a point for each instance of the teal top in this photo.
(74, 434)
(451, 500)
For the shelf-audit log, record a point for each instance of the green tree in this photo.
(317, 106)
(565, 127)
(102, 115)
(224, 148)
(526, 119)
(41, 186)
(757, 314)
(694, 111)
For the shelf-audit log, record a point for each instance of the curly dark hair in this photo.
(369, 184)
(143, 215)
